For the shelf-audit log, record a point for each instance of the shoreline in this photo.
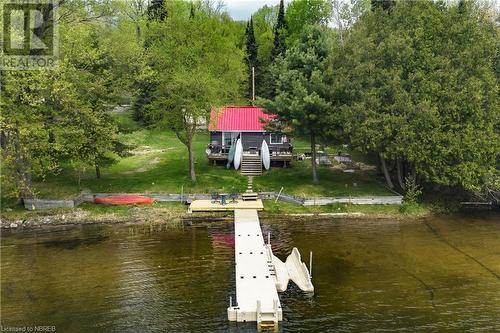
(177, 213)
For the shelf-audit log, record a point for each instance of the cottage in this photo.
(246, 122)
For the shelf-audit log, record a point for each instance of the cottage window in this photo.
(276, 138)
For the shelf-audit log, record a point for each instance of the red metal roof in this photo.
(238, 118)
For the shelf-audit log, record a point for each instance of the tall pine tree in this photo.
(302, 91)
(251, 56)
(280, 30)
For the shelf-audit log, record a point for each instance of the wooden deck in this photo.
(209, 206)
(276, 157)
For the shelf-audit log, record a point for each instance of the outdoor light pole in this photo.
(253, 85)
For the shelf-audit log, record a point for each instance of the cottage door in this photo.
(228, 138)
(234, 136)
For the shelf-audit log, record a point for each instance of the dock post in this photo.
(268, 238)
(310, 264)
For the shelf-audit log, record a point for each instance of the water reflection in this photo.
(432, 275)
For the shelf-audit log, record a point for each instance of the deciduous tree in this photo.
(417, 85)
(197, 66)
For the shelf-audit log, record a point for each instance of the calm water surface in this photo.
(433, 275)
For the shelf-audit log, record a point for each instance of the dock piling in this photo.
(310, 264)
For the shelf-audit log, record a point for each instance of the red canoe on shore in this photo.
(124, 200)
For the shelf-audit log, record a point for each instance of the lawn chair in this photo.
(233, 196)
(215, 197)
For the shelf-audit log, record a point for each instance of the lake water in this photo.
(432, 275)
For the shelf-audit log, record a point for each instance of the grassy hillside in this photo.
(158, 163)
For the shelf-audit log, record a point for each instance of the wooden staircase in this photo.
(249, 194)
(251, 165)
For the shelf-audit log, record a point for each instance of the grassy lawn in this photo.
(89, 212)
(297, 180)
(280, 207)
(158, 163)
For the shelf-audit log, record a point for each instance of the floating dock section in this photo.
(256, 294)
(259, 274)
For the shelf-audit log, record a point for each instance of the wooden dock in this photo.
(209, 206)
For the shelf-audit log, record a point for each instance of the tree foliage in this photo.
(280, 32)
(197, 66)
(301, 88)
(54, 118)
(302, 13)
(264, 21)
(417, 84)
(157, 10)
(251, 55)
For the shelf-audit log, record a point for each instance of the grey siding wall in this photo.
(251, 139)
(216, 136)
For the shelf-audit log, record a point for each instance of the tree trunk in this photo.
(138, 32)
(97, 171)
(3, 140)
(23, 176)
(386, 172)
(401, 181)
(192, 174)
(313, 158)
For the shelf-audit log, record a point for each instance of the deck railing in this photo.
(219, 150)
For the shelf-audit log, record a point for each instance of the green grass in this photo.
(157, 211)
(19, 213)
(272, 208)
(159, 163)
(297, 180)
(164, 169)
(94, 211)
(124, 210)
(125, 122)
